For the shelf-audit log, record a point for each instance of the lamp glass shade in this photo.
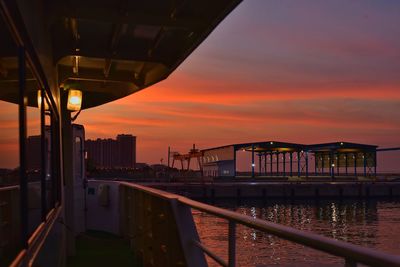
(74, 100)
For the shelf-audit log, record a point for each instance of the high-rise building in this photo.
(33, 160)
(34, 148)
(111, 153)
(127, 150)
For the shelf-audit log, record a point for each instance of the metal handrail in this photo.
(211, 254)
(329, 245)
(8, 188)
(36, 241)
(351, 253)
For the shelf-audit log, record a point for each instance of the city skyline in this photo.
(112, 153)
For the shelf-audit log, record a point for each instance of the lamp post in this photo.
(71, 101)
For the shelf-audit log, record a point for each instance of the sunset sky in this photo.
(297, 71)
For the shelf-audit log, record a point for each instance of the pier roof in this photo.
(275, 146)
(341, 147)
(270, 146)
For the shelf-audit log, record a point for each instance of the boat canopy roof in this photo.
(110, 49)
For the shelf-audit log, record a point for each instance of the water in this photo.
(372, 223)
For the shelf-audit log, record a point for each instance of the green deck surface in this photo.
(101, 249)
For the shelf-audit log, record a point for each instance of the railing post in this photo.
(23, 179)
(232, 244)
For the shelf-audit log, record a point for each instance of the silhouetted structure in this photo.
(127, 150)
(111, 153)
(33, 149)
(288, 159)
(193, 153)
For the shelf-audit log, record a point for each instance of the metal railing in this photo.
(10, 239)
(9, 221)
(28, 255)
(352, 254)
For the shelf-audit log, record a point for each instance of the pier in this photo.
(267, 190)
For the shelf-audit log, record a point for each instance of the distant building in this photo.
(33, 151)
(110, 153)
(127, 145)
(271, 158)
(33, 159)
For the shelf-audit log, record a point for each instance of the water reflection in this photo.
(368, 223)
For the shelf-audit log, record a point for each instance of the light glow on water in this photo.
(374, 224)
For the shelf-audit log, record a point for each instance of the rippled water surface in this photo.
(374, 224)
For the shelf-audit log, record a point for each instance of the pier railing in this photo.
(352, 254)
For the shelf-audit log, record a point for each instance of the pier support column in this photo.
(355, 164)
(315, 165)
(234, 162)
(284, 164)
(277, 163)
(346, 162)
(291, 163)
(298, 163)
(265, 163)
(169, 155)
(252, 161)
(259, 164)
(306, 164)
(331, 165)
(337, 163)
(270, 164)
(365, 163)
